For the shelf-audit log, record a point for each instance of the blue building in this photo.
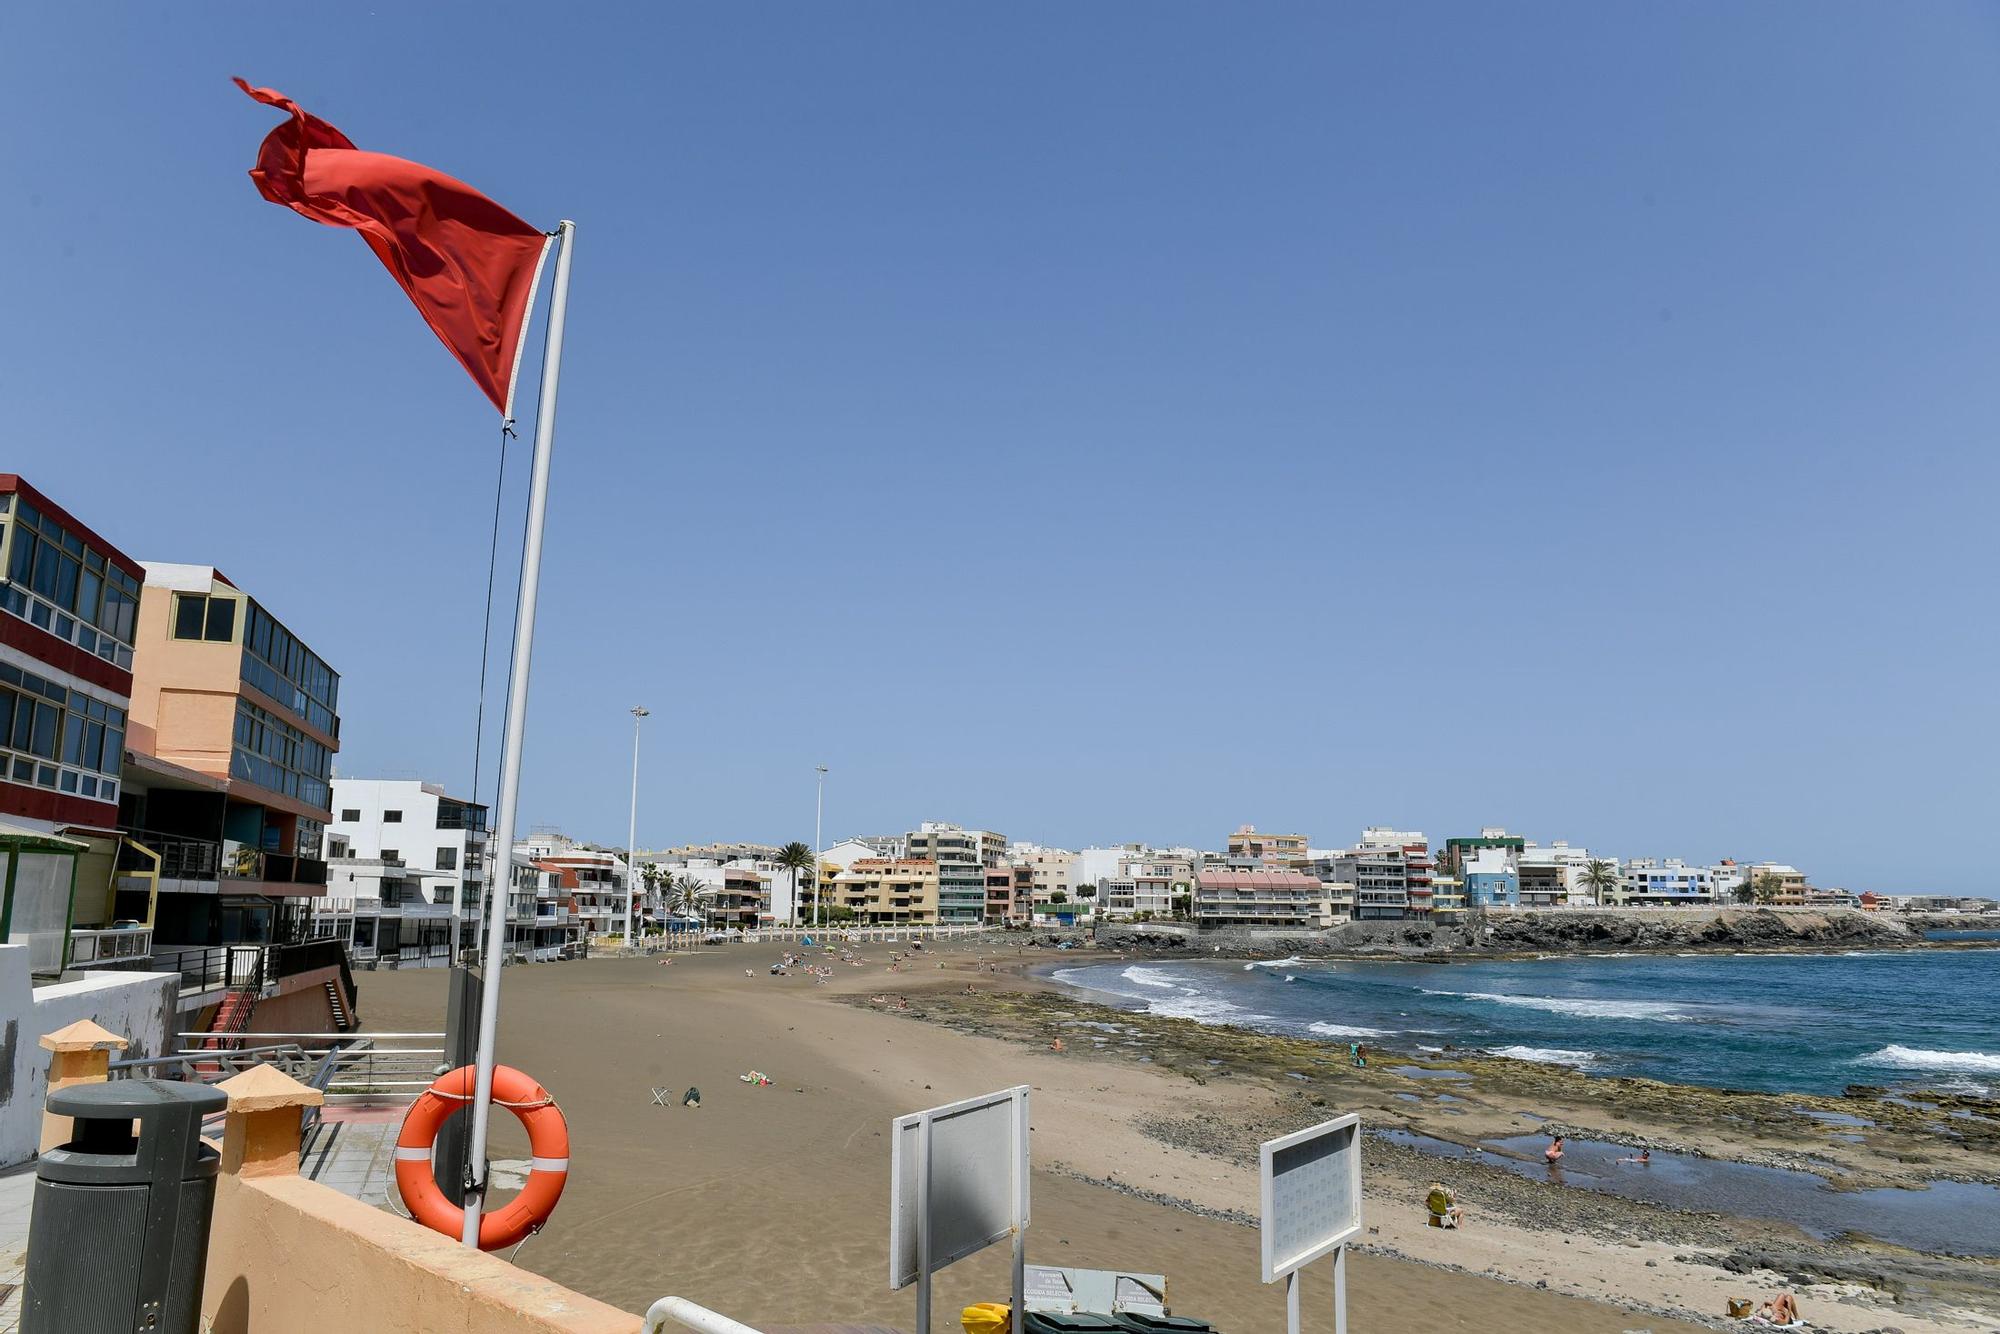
(1492, 878)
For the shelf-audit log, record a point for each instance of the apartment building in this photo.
(68, 620)
(963, 857)
(440, 840)
(1552, 876)
(1456, 850)
(593, 879)
(1490, 872)
(1287, 850)
(1648, 882)
(1777, 884)
(1272, 897)
(1005, 902)
(230, 744)
(885, 891)
(1731, 881)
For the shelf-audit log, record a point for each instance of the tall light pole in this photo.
(819, 809)
(632, 830)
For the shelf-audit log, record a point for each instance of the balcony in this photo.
(180, 858)
(283, 870)
(96, 947)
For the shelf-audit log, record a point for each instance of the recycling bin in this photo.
(118, 1238)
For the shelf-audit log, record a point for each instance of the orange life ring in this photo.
(548, 1142)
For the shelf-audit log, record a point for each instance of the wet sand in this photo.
(770, 1203)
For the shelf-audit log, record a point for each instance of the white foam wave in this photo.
(1920, 1058)
(1292, 962)
(1547, 1055)
(1202, 1009)
(1662, 1011)
(1346, 1031)
(1150, 977)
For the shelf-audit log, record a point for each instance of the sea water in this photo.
(1808, 1023)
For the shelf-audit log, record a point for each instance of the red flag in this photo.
(469, 264)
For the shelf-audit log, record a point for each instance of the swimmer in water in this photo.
(1554, 1152)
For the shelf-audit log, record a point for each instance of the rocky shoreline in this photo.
(1911, 1140)
(1547, 931)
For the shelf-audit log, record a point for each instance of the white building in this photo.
(1552, 876)
(1650, 882)
(421, 828)
(595, 880)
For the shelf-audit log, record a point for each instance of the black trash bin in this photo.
(1162, 1324)
(119, 1234)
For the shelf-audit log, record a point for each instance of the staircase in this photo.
(231, 1017)
(336, 1006)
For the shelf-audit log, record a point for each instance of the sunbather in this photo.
(1445, 1209)
(1782, 1309)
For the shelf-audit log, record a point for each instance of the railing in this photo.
(374, 1067)
(180, 858)
(280, 868)
(88, 947)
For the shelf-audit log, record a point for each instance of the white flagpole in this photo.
(517, 726)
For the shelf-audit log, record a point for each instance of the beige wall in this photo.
(869, 886)
(183, 691)
(290, 1254)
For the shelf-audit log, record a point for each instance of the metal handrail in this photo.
(684, 1312)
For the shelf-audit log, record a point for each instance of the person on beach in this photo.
(1643, 1157)
(1554, 1152)
(1782, 1309)
(1444, 1206)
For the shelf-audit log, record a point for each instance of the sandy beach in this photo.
(770, 1203)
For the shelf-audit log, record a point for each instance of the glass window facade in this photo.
(276, 663)
(57, 738)
(273, 754)
(55, 581)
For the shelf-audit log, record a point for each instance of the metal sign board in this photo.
(1063, 1291)
(1311, 1188)
(958, 1182)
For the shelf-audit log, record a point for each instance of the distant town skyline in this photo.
(1575, 421)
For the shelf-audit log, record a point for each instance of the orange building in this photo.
(231, 735)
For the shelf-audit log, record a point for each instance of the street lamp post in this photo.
(632, 830)
(819, 809)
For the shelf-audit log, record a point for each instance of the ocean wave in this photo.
(1546, 1055)
(1149, 977)
(1291, 962)
(1346, 1031)
(1919, 1058)
(1661, 1011)
(1191, 1004)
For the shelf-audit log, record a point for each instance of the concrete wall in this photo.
(140, 1007)
(283, 1248)
(300, 1008)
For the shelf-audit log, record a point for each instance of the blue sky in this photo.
(1094, 422)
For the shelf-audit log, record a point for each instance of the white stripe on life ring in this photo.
(548, 1164)
(406, 1153)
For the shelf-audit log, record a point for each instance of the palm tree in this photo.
(795, 857)
(686, 893)
(1598, 877)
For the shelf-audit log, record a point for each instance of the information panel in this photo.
(1311, 1187)
(958, 1181)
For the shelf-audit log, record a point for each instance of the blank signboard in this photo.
(1312, 1194)
(978, 1180)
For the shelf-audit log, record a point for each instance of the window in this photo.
(391, 855)
(447, 859)
(392, 817)
(189, 611)
(350, 816)
(199, 616)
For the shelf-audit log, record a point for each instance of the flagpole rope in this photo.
(486, 625)
(501, 860)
